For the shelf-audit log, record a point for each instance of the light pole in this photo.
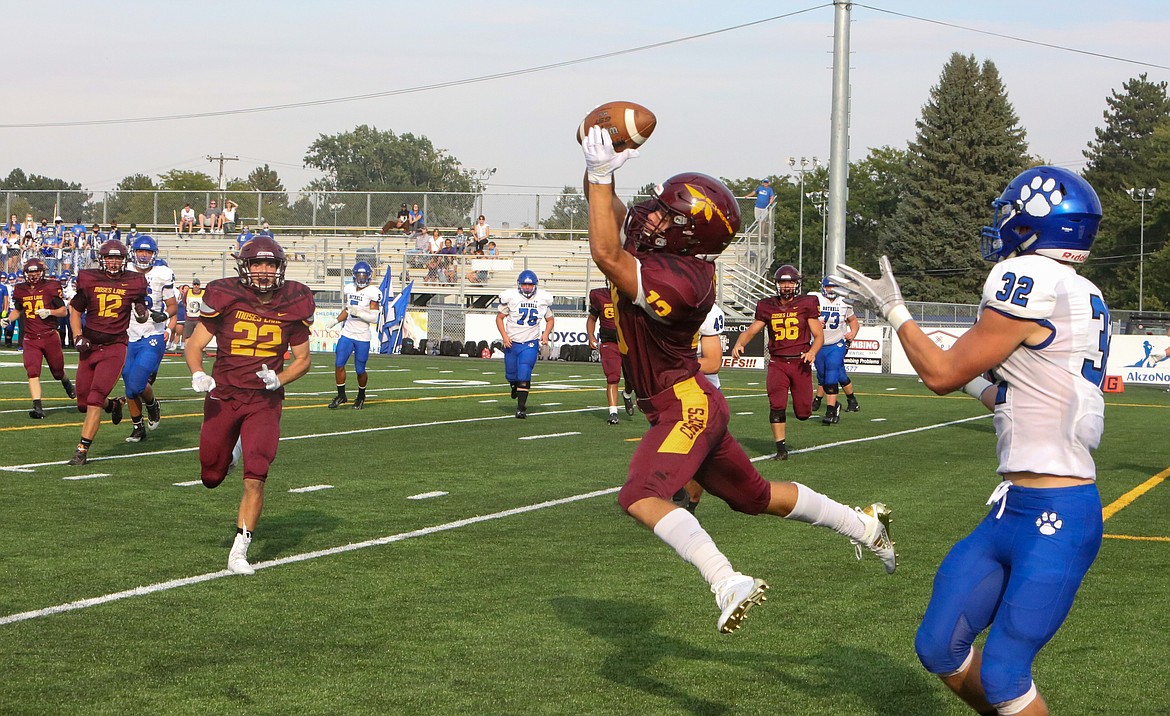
(336, 209)
(803, 162)
(820, 201)
(481, 176)
(1142, 196)
(572, 217)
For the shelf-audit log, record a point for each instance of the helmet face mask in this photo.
(1048, 211)
(34, 271)
(144, 251)
(527, 282)
(112, 257)
(362, 273)
(828, 289)
(261, 264)
(787, 280)
(691, 214)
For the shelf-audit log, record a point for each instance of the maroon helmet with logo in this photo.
(261, 248)
(700, 217)
(787, 274)
(112, 257)
(31, 267)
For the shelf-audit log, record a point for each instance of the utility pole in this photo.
(222, 179)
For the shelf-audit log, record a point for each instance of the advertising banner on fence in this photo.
(567, 330)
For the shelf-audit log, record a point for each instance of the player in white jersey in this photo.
(1043, 333)
(144, 353)
(840, 327)
(518, 321)
(363, 304)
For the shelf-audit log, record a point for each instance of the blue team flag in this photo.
(390, 330)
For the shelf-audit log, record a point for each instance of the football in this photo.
(628, 124)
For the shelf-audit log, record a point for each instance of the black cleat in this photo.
(69, 389)
(116, 411)
(79, 458)
(853, 407)
(832, 415)
(613, 419)
(337, 402)
(816, 404)
(137, 435)
(522, 413)
(359, 403)
(629, 401)
(153, 415)
(36, 413)
(781, 452)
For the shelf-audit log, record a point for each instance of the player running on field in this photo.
(363, 303)
(38, 304)
(148, 340)
(518, 319)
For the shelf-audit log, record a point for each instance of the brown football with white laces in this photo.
(629, 124)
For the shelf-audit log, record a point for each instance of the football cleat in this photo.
(79, 458)
(36, 413)
(876, 518)
(522, 413)
(238, 563)
(513, 391)
(832, 415)
(137, 435)
(817, 403)
(781, 452)
(628, 399)
(359, 403)
(735, 596)
(853, 407)
(613, 419)
(115, 410)
(69, 389)
(337, 402)
(153, 415)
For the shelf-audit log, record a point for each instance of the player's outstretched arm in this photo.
(301, 362)
(746, 338)
(605, 244)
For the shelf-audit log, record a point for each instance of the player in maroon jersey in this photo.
(254, 318)
(664, 280)
(795, 335)
(605, 342)
(38, 304)
(106, 296)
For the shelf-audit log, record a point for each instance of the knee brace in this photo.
(845, 383)
(831, 388)
(776, 416)
(524, 385)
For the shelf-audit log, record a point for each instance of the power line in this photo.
(1013, 38)
(407, 90)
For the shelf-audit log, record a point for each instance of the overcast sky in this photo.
(733, 104)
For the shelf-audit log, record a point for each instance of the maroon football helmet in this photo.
(34, 271)
(261, 248)
(112, 257)
(787, 274)
(700, 217)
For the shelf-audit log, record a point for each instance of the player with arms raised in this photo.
(840, 327)
(518, 320)
(254, 319)
(106, 296)
(604, 341)
(665, 286)
(39, 304)
(1043, 333)
(794, 338)
(362, 308)
(148, 340)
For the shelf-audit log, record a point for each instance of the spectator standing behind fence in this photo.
(482, 233)
(764, 195)
(211, 221)
(187, 219)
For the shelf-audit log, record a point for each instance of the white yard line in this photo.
(550, 435)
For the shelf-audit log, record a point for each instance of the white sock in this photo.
(823, 511)
(613, 410)
(685, 535)
(243, 540)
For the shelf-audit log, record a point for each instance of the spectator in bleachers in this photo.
(50, 252)
(265, 230)
(114, 234)
(482, 233)
(230, 209)
(68, 250)
(434, 242)
(245, 236)
(447, 262)
(402, 221)
(10, 251)
(491, 249)
(187, 220)
(434, 261)
(131, 234)
(461, 243)
(14, 225)
(211, 222)
(477, 276)
(417, 221)
(78, 228)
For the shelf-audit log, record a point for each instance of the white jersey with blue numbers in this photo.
(160, 284)
(354, 327)
(835, 314)
(712, 326)
(523, 316)
(1050, 412)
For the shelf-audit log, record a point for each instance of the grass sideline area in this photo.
(522, 589)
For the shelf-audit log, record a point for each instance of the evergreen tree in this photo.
(968, 144)
(875, 190)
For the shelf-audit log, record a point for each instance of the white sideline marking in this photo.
(747, 413)
(427, 495)
(311, 488)
(890, 389)
(551, 405)
(550, 435)
(186, 581)
(189, 483)
(493, 400)
(87, 477)
(878, 420)
(14, 469)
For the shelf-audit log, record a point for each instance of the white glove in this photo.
(881, 294)
(601, 161)
(44, 313)
(202, 382)
(1159, 355)
(4, 323)
(271, 382)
